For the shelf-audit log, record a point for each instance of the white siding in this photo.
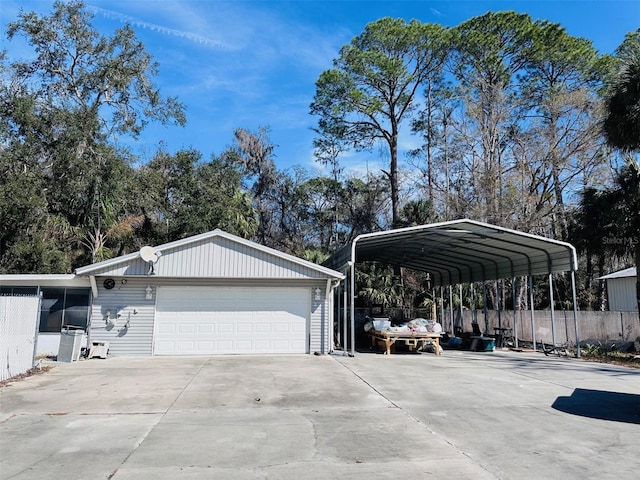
(216, 257)
(129, 298)
(319, 310)
(18, 323)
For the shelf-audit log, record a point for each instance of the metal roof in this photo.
(626, 273)
(460, 251)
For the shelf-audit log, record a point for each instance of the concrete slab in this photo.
(459, 416)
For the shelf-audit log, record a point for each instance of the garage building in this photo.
(209, 294)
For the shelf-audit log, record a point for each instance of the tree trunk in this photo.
(393, 177)
(638, 272)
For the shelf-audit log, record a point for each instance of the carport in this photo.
(457, 252)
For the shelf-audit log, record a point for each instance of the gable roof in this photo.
(626, 273)
(213, 254)
(460, 251)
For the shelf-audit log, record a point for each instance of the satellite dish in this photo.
(149, 255)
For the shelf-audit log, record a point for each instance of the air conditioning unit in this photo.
(70, 345)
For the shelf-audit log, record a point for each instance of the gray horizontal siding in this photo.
(622, 294)
(319, 310)
(216, 257)
(138, 338)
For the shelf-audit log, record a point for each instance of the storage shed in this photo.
(621, 290)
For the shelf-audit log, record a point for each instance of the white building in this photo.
(213, 293)
(621, 290)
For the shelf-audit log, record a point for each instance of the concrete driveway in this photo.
(463, 415)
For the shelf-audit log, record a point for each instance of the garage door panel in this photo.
(225, 328)
(262, 327)
(187, 327)
(169, 328)
(204, 346)
(244, 328)
(205, 328)
(219, 320)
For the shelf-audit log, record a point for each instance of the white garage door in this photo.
(222, 320)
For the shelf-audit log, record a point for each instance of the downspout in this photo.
(94, 286)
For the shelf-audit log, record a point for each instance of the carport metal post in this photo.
(553, 312)
(533, 315)
(575, 312)
(451, 306)
(499, 303)
(484, 307)
(345, 291)
(461, 306)
(434, 305)
(473, 303)
(515, 317)
(353, 296)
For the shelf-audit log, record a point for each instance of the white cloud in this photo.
(185, 34)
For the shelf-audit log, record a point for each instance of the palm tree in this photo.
(627, 200)
(622, 130)
(622, 124)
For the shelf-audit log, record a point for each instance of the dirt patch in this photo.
(615, 358)
(29, 373)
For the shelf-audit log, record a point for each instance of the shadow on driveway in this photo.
(617, 407)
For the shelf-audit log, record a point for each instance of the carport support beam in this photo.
(484, 307)
(533, 315)
(353, 296)
(575, 312)
(473, 303)
(515, 317)
(553, 311)
(451, 307)
(499, 303)
(345, 294)
(461, 308)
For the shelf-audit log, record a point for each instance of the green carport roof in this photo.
(460, 251)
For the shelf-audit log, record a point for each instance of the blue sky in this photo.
(254, 63)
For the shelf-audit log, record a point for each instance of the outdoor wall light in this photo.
(317, 292)
(148, 293)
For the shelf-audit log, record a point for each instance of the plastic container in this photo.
(381, 324)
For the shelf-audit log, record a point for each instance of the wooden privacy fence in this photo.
(18, 329)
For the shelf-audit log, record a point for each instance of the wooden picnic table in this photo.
(413, 340)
